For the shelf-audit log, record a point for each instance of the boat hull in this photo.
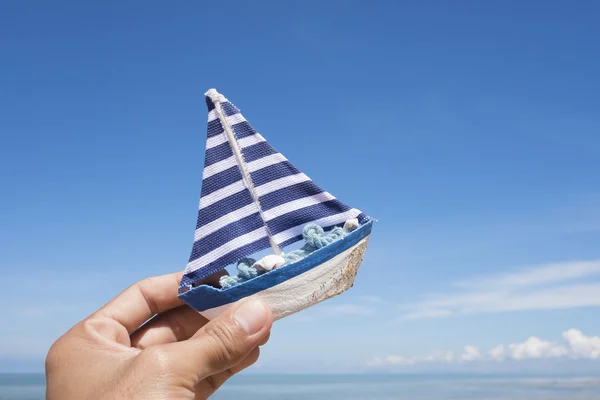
(323, 274)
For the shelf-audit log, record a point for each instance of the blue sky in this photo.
(469, 129)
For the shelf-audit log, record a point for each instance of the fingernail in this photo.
(252, 316)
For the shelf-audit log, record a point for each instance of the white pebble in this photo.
(351, 225)
(269, 262)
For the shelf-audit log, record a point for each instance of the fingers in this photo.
(246, 362)
(175, 325)
(210, 385)
(107, 331)
(146, 298)
(219, 345)
(143, 300)
(265, 339)
(228, 339)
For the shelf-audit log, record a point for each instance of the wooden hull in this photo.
(323, 274)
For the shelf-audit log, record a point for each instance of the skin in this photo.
(178, 354)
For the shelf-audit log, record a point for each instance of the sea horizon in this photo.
(368, 386)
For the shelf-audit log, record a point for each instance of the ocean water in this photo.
(366, 387)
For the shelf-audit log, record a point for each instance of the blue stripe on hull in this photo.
(204, 297)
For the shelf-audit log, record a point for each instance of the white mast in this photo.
(217, 98)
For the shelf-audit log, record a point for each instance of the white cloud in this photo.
(393, 360)
(535, 348)
(539, 275)
(471, 353)
(576, 346)
(544, 287)
(497, 353)
(389, 360)
(437, 357)
(582, 346)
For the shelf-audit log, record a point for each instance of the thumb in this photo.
(225, 341)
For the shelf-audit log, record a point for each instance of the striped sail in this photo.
(252, 197)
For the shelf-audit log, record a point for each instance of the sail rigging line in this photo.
(216, 99)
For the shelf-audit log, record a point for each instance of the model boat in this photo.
(253, 199)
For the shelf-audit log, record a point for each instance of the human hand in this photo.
(176, 355)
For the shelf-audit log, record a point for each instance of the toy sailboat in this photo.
(253, 199)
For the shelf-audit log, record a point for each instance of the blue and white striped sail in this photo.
(252, 197)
